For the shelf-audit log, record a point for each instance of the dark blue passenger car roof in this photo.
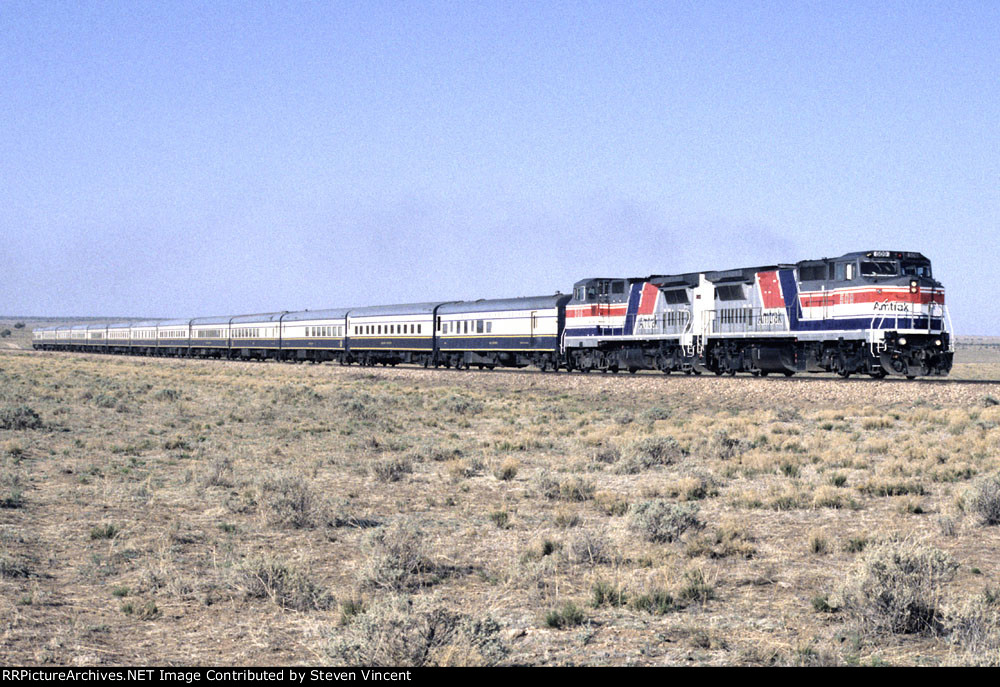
(501, 304)
(308, 315)
(391, 310)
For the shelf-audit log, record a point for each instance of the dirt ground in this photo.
(198, 512)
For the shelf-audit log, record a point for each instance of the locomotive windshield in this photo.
(880, 268)
(917, 269)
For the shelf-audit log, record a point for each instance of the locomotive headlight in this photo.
(902, 341)
(937, 342)
(914, 287)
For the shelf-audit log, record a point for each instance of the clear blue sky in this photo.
(194, 158)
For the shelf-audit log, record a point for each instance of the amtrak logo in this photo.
(887, 306)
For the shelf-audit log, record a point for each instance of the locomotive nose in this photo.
(919, 284)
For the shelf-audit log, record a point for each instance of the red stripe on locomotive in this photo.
(770, 290)
(647, 301)
(818, 300)
(617, 310)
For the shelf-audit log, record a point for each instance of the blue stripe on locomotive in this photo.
(856, 323)
(790, 292)
(634, 296)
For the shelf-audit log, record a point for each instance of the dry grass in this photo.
(163, 511)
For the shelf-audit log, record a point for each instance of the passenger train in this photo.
(876, 313)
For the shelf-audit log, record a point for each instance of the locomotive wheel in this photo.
(788, 373)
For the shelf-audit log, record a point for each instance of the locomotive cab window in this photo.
(812, 273)
(917, 269)
(880, 268)
(845, 271)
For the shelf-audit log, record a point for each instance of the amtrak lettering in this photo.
(891, 306)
